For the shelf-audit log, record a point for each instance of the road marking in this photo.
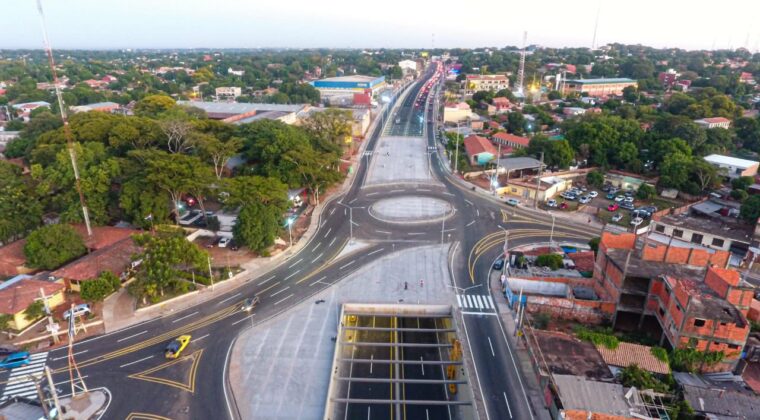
(475, 365)
(371, 194)
(271, 278)
(507, 401)
(479, 313)
(481, 305)
(294, 273)
(478, 212)
(127, 338)
(350, 202)
(186, 316)
(69, 381)
(333, 241)
(459, 300)
(315, 248)
(423, 190)
(470, 224)
(415, 233)
(468, 202)
(376, 251)
(328, 232)
(77, 353)
(395, 191)
(371, 358)
(422, 365)
(241, 320)
(283, 299)
(490, 302)
(469, 302)
(346, 265)
(274, 285)
(231, 297)
(295, 263)
(318, 281)
(200, 338)
(447, 193)
(318, 257)
(136, 361)
(280, 291)
(491, 344)
(383, 231)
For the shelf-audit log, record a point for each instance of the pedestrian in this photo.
(406, 286)
(422, 282)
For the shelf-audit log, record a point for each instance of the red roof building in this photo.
(511, 140)
(501, 104)
(116, 258)
(479, 149)
(12, 259)
(16, 297)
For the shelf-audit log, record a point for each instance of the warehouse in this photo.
(345, 85)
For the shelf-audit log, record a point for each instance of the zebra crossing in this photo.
(482, 302)
(368, 153)
(20, 383)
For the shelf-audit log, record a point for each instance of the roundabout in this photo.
(411, 209)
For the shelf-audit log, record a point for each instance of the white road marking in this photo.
(295, 263)
(200, 338)
(395, 191)
(480, 302)
(332, 211)
(479, 313)
(271, 278)
(459, 300)
(491, 344)
(79, 352)
(317, 281)
(231, 297)
(383, 231)
(68, 381)
(294, 273)
(507, 401)
(333, 241)
(328, 232)
(477, 376)
(186, 316)
(490, 302)
(318, 257)
(350, 202)
(376, 251)
(470, 224)
(315, 248)
(478, 212)
(371, 358)
(279, 291)
(415, 233)
(283, 299)
(371, 194)
(468, 202)
(136, 361)
(346, 265)
(422, 365)
(469, 302)
(241, 320)
(447, 193)
(422, 190)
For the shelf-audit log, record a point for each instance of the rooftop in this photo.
(566, 355)
(354, 78)
(114, 258)
(715, 120)
(234, 108)
(19, 292)
(712, 222)
(519, 163)
(602, 81)
(12, 257)
(475, 144)
(721, 402)
(730, 161)
(487, 77)
(578, 393)
(511, 138)
(627, 354)
(638, 267)
(706, 304)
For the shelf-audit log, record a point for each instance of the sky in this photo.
(112, 24)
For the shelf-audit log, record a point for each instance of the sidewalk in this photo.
(506, 315)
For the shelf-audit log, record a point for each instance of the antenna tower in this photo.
(521, 73)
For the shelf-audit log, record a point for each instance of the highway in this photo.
(130, 362)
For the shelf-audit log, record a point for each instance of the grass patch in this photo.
(600, 338)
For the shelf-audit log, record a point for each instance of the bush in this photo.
(594, 244)
(553, 261)
(635, 376)
(645, 192)
(35, 310)
(541, 320)
(595, 179)
(690, 360)
(97, 289)
(605, 338)
(660, 354)
(51, 246)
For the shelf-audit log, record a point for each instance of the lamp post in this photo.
(551, 235)
(350, 221)
(456, 152)
(290, 230)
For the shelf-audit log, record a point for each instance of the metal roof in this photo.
(601, 81)
(240, 108)
(730, 161)
(578, 393)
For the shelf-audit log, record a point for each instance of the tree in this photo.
(553, 261)
(218, 152)
(154, 105)
(742, 182)
(257, 226)
(634, 376)
(34, 311)
(95, 290)
(330, 129)
(595, 178)
(750, 209)
(51, 246)
(516, 123)
(674, 171)
(593, 243)
(645, 192)
(177, 131)
(21, 209)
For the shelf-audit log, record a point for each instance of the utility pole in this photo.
(210, 274)
(53, 329)
(521, 72)
(53, 391)
(538, 180)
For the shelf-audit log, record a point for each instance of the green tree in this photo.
(595, 178)
(674, 171)
(34, 311)
(257, 226)
(95, 290)
(154, 105)
(750, 209)
(330, 129)
(742, 183)
(516, 123)
(20, 207)
(593, 243)
(218, 152)
(634, 376)
(51, 246)
(553, 261)
(645, 192)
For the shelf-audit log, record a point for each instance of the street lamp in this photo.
(350, 220)
(289, 222)
(551, 235)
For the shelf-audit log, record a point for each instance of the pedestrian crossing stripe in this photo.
(368, 153)
(475, 301)
(19, 382)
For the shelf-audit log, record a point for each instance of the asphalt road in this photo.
(130, 362)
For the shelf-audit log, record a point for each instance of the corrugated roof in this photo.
(730, 161)
(602, 81)
(578, 393)
(722, 402)
(627, 354)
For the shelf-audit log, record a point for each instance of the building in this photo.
(24, 110)
(21, 291)
(501, 105)
(510, 140)
(228, 92)
(347, 85)
(115, 258)
(479, 149)
(711, 401)
(680, 293)
(13, 260)
(243, 113)
(234, 72)
(715, 122)
(579, 398)
(626, 180)
(409, 67)
(598, 87)
(456, 112)
(109, 107)
(733, 167)
(485, 82)
(529, 188)
(668, 78)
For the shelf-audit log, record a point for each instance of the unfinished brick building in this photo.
(683, 293)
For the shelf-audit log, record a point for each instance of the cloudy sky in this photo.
(109, 24)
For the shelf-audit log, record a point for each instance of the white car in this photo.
(637, 221)
(551, 203)
(629, 199)
(619, 199)
(224, 242)
(585, 199)
(78, 310)
(593, 194)
(617, 217)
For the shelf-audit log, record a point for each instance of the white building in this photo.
(733, 167)
(456, 112)
(228, 92)
(234, 72)
(408, 67)
(716, 122)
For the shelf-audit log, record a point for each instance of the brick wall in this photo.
(754, 311)
(593, 312)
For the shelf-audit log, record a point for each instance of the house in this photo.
(115, 258)
(234, 72)
(715, 122)
(627, 180)
(408, 67)
(95, 84)
(680, 292)
(13, 260)
(347, 85)
(714, 402)
(668, 78)
(108, 107)
(598, 87)
(628, 354)
(456, 112)
(485, 82)
(531, 187)
(24, 110)
(501, 105)
(733, 167)
(21, 291)
(479, 149)
(228, 92)
(572, 111)
(581, 398)
(510, 140)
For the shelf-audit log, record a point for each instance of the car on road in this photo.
(637, 221)
(593, 194)
(513, 201)
(249, 304)
(498, 264)
(77, 310)
(551, 203)
(174, 349)
(224, 242)
(585, 199)
(15, 360)
(617, 217)
(613, 207)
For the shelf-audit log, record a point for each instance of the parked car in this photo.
(174, 349)
(513, 201)
(613, 207)
(563, 205)
(629, 193)
(498, 264)
(551, 203)
(224, 242)
(626, 205)
(78, 310)
(593, 194)
(640, 212)
(629, 199)
(15, 360)
(617, 217)
(637, 221)
(650, 209)
(620, 199)
(610, 196)
(606, 187)
(585, 199)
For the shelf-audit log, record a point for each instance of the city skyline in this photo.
(86, 24)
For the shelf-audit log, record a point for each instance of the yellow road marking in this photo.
(189, 386)
(145, 416)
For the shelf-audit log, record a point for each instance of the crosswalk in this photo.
(432, 148)
(20, 382)
(482, 302)
(368, 153)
